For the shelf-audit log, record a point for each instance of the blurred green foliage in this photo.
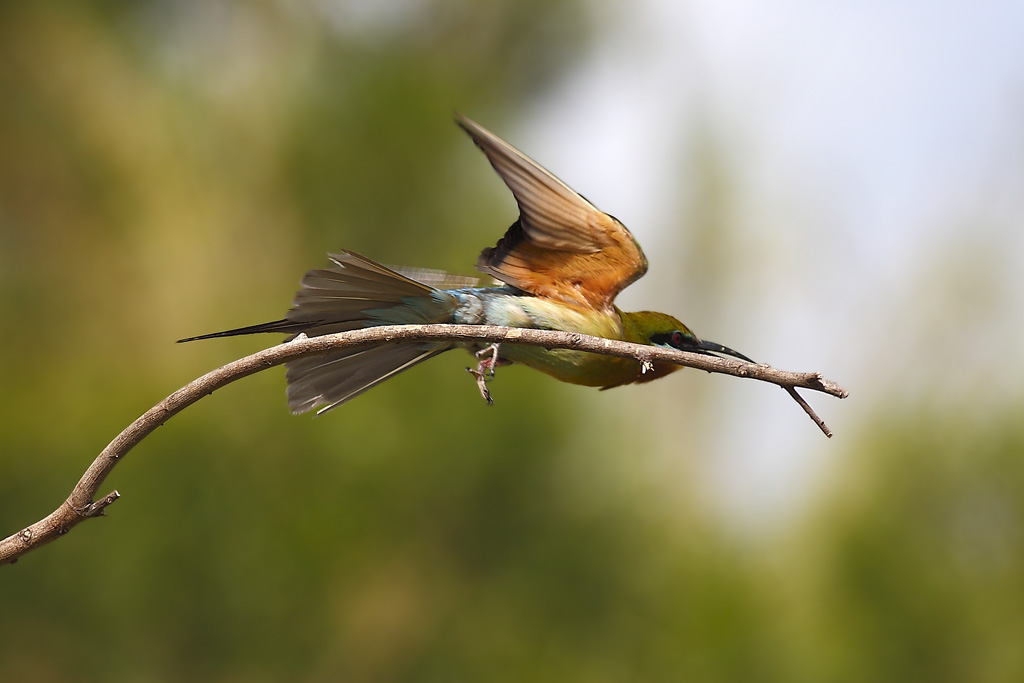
(168, 169)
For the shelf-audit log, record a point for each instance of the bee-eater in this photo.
(562, 264)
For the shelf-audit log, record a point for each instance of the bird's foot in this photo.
(487, 365)
(481, 384)
(487, 361)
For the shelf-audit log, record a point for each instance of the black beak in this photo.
(712, 349)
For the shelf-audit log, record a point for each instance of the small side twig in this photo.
(82, 503)
(809, 410)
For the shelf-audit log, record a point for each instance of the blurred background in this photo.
(823, 187)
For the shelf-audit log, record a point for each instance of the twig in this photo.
(81, 504)
(810, 411)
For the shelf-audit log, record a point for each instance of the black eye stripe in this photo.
(675, 339)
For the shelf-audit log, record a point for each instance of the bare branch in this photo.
(81, 504)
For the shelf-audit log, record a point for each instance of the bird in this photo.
(559, 266)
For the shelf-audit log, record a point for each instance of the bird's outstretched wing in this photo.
(562, 246)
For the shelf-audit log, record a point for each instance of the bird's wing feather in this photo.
(562, 246)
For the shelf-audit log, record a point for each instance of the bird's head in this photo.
(660, 329)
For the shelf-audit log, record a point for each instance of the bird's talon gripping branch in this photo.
(487, 365)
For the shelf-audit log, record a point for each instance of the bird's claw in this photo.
(487, 361)
(481, 384)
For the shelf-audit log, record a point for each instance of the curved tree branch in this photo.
(82, 505)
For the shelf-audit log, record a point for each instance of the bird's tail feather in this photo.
(327, 381)
(284, 325)
(353, 293)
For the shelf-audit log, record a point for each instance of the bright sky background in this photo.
(879, 159)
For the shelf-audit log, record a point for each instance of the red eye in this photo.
(677, 338)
